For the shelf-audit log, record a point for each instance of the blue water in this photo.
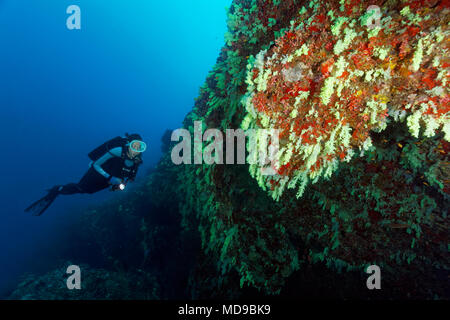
(135, 66)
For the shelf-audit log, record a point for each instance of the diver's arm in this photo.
(116, 152)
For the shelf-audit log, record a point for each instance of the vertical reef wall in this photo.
(361, 99)
(362, 104)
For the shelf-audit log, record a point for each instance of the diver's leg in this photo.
(70, 188)
(87, 184)
(93, 182)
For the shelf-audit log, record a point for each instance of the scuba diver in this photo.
(113, 164)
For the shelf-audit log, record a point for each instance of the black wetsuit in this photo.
(91, 182)
(113, 164)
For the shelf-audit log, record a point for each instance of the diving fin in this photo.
(39, 207)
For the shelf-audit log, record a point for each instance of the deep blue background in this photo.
(135, 66)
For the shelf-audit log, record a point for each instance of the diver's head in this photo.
(135, 146)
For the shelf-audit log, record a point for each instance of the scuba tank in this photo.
(98, 152)
(116, 166)
(118, 141)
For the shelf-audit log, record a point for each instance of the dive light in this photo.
(120, 187)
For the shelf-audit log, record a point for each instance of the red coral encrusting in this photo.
(332, 79)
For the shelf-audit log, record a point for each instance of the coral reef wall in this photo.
(361, 101)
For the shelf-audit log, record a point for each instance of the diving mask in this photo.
(140, 145)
